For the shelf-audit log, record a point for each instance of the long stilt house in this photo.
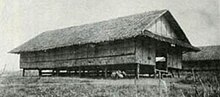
(208, 59)
(131, 43)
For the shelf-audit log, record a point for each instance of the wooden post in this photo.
(172, 72)
(68, 72)
(53, 72)
(40, 72)
(57, 72)
(106, 71)
(155, 72)
(97, 71)
(178, 72)
(83, 73)
(75, 72)
(79, 71)
(137, 71)
(88, 73)
(23, 74)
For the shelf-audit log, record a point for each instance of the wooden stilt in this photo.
(83, 71)
(172, 72)
(57, 72)
(88, 73)
(53, 72)
(178, 72)
(79, 71)
(40, 72)
(75, 72)
(68, 72)
(97, 71)
(155, 72)
(23, 74)
(105, 70)
(137, 71)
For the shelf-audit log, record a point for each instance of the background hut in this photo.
(130, 44)
(208, 59)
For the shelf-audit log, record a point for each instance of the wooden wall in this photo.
(130, 51)
(146, 51)
(162, 27)
(117, 52)
(174, 58)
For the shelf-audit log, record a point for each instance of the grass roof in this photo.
(110, 30)
(206, 53)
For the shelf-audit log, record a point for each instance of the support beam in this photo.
(57, 72)
(172, 73)
(23, 74)
(178, 73)
(79, 71)
(97, 71)
(137, 71)
(68, 72)
(83, 72)
(40, 72)
(106, 72)
(155, 72)
(75, 72)
(53, 72)
(88, 73)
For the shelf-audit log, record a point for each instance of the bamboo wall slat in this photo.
(80, 55)
(81, 62)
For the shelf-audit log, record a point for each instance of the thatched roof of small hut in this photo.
(110, 30)
(206, 53)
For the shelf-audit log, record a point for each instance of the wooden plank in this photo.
(145, 52)
(174, 59)
(162, 27)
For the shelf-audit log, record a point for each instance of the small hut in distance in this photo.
(208, 59)
(129, 43)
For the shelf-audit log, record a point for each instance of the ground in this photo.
(14, 85)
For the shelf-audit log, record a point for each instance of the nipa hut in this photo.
(129, 43)
(208, 59)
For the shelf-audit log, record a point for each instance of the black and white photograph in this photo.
(109, 48)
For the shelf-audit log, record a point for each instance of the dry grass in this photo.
(79, 90)
(203, 84)
(13, 85)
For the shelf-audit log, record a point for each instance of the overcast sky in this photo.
(21, 20)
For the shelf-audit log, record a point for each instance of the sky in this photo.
(21, 20)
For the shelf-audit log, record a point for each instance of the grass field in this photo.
(13, 85)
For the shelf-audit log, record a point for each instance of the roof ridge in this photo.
(115, 18)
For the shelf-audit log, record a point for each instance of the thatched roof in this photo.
(114, 29)
(206, 53)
